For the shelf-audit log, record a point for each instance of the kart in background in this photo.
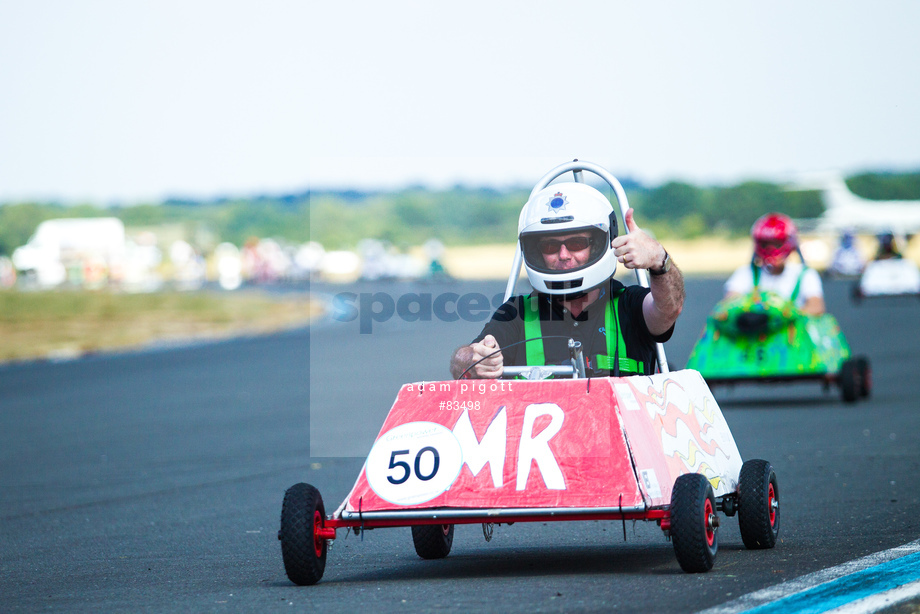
(763, 338)
(890, 277)
(491, 452)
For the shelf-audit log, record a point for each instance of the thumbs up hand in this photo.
(637, 249)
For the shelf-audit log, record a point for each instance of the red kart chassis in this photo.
(653, 448)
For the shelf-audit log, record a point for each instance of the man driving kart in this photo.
(775, 237)
(570, 246)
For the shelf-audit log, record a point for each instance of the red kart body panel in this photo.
(605, 443)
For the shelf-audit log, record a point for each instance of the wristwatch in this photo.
(664, 267)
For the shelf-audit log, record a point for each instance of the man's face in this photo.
(564, 252)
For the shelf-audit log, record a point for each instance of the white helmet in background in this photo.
(566, 208)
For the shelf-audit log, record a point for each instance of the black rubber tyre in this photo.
(848, 379)
(433, 541)
(304, 554)
(864, 370)
(758, 504)
(693, 509)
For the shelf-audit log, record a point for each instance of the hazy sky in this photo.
(126, 100)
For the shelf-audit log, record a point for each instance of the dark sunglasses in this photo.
(573, 244)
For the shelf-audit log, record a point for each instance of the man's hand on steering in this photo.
(491, 367)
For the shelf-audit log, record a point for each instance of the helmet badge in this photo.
(557, 203)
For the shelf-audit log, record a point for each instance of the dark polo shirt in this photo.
(507, 326)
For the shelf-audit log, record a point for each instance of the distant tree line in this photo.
(460, 215)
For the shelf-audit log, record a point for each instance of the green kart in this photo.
(762, 337)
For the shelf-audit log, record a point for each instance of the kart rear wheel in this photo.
(848, 379)
(694, 524)
(304, 553)
(433, 541)
(758, 504)
(864, 370)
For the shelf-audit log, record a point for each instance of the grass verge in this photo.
(62, 324)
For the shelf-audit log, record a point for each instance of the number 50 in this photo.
(407, 471)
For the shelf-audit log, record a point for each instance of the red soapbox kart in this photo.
(653, 448)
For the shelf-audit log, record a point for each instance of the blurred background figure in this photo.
(7, 273)
(142, 260)
(375, 260)
(887, 248)
(276, 263)
(308, 259)
(434, 251)
(254, 267)
(229, 266)
(381, 261)
(847, 261)
(340, 265)
(188, 266)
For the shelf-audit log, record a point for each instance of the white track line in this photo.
(804, 583)
(881, 600)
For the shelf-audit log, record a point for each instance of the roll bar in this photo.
(576, 167)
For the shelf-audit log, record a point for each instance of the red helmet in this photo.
(775, 238)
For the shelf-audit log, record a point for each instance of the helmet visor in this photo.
(773, 251)
(552, 252)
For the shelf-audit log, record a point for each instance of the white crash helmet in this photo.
(560, 209)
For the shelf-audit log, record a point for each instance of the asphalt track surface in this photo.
(152, 481)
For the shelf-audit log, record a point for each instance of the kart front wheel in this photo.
(694, 524)
(849, 381)
(758, 504)
(865, 376)
(856, 293)
(303, 550)
(433, 541)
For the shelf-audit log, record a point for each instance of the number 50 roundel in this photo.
(414, 463)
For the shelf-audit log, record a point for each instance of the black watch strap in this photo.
(664, 268)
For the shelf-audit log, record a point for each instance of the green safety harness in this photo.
(617, 347)
(755, 271)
